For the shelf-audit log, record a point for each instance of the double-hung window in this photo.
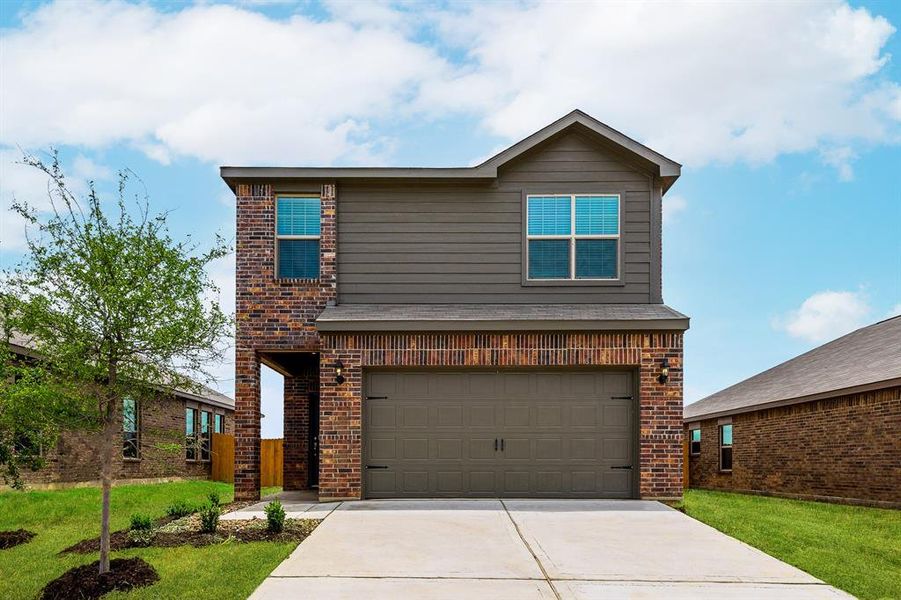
(191, 433)
(726, 448)
(219, 424)
(130, 446)
(695, 442)
(297, 229)
(573, 236)
(205, 435)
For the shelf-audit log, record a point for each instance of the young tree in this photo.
(113, 307)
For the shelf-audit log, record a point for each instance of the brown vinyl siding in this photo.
(461, 242)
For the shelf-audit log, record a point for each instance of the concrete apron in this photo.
(581, 549)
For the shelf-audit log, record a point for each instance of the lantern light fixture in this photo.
(339, 372)
(664, 371)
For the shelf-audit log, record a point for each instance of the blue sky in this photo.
(783, 232)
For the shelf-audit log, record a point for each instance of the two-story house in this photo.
(486, 331)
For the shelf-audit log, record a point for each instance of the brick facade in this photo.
(273, 315)
(845, 448)
(297, 427)
(660, 409)
(75, 458)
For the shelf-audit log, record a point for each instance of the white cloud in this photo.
(701, 82)
(219, 83)
(25, 184)
(894, 312)
(673, 205)
(825, 316)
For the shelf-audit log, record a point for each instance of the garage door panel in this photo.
(436, 433)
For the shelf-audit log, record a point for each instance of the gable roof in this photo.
(666, 169)
(869, 358)
(23, 346)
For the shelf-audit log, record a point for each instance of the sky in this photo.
(783, 232)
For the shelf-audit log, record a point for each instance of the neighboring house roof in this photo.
(497, 317)
(869, 358)
(668, 170)
(22, 345)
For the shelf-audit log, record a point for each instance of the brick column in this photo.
(247, 424)
(660, 438)
(297, 427)
(340, 430)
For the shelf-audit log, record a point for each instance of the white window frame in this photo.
(278, 237)
(572, 237)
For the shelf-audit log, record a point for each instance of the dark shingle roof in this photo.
(865, 357)
(497, 317)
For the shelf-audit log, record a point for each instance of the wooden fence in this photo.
(223, 460)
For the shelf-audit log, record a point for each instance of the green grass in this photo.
(64, 517)
(854, 548)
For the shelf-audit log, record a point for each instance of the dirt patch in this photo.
(85, 582)
(9, 539)
(186, 531)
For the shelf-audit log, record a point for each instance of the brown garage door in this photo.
(554, 434)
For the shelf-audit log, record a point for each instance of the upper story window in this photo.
(297, 229)
(575, 236)
(130, 445)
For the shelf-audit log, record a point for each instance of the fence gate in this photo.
(272, 460)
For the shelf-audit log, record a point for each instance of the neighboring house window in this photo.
(219, 424)
(695, 441)
(191, 434)
(130, 446)
(725, 447)
(205, 437)
(573, 236)
(297, 225)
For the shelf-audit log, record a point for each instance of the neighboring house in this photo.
(496, 330)
(825, 425)
(166, 438)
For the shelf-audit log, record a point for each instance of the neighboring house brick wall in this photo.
(843, 448)
(272, 314)
(660, 418)
(75, 457)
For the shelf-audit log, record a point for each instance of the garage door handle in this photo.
(502, 444)
(376, 466)
(627, 467)
(495, 444)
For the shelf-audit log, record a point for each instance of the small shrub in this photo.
(214, 499)
(140, 523)
(209, 518)
(179, 509)
(140, 538)
(275, 516)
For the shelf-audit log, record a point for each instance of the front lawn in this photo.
(62, 518)
(854, 548)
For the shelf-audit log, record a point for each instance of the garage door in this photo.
(553, 434)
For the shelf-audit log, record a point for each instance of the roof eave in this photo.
(856, 389)
(343, 325)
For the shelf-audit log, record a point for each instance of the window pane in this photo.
(189, 421)
(726, 459)
(727, 435)
(549, 215)
(696, 435)
(597, 215)
(548, 259)
(596, 259)
(298, 216)
(298, 259)
(218, 424)
(204, 422)
(129, 415)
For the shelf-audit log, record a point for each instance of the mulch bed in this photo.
(9, 539)
(185, 532)
(118, 540)
(85, 582)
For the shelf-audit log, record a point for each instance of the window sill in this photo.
(573, 283)
(301, 280)
(725, 471)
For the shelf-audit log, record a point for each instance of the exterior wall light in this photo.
(339, 372)
(664, 371)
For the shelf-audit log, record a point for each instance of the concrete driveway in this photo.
(526, 549)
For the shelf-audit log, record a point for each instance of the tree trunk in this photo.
(106, 481)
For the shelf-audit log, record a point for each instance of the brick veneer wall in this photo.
(272, 314)
(75, 458)
(297, 427)
(660, 418)
(846, 448)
